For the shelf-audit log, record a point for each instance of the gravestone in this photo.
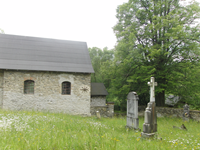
(110, 109)
(186, 112)
(98, 115)
(132, 111)
(150, 118)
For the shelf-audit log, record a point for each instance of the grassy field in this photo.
(47, 131)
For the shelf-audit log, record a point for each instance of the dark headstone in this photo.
(186, 112)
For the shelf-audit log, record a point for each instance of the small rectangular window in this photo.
(66, 88)
(28, 87)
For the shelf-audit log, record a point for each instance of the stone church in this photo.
(44, 74)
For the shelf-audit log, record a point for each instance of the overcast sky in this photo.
(90, 21)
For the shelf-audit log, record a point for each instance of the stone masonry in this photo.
(105, 111)
(47, 91)
(171, 112)
(98, 101)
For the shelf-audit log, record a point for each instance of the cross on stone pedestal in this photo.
(150, 118)
(152, 85)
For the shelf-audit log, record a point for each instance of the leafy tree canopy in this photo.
(157, 38)
(99, 58)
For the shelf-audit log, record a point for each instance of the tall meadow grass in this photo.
(23, 130)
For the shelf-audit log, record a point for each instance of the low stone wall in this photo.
(166, 112)
(177, 112)
(105, 111)
(171, 112)
(195, 114)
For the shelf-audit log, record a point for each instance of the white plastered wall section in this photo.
(1, 88)
(47, 92)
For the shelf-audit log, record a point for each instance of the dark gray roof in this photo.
(98, 89)
(42, 54)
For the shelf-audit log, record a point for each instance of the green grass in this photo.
(48, 131)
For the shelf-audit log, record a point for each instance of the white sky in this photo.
(90, 21)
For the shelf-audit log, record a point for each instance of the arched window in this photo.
(29, 87)
(66, 88)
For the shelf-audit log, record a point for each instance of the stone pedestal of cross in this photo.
(132, 111)
(150, 118)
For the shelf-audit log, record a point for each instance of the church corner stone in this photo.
(1, 88)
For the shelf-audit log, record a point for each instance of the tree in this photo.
(103, 65)
(98, 58)
(155, 38)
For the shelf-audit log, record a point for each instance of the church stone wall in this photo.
(1, 88)
(98, 101)
(47, 92)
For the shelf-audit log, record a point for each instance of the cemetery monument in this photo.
(186, 112)
(150, 120)
(98, 115)
(132, 111)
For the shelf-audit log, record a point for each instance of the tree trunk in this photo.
(160, 99)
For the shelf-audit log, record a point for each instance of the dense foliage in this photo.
(98, 58)
(155, 38)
